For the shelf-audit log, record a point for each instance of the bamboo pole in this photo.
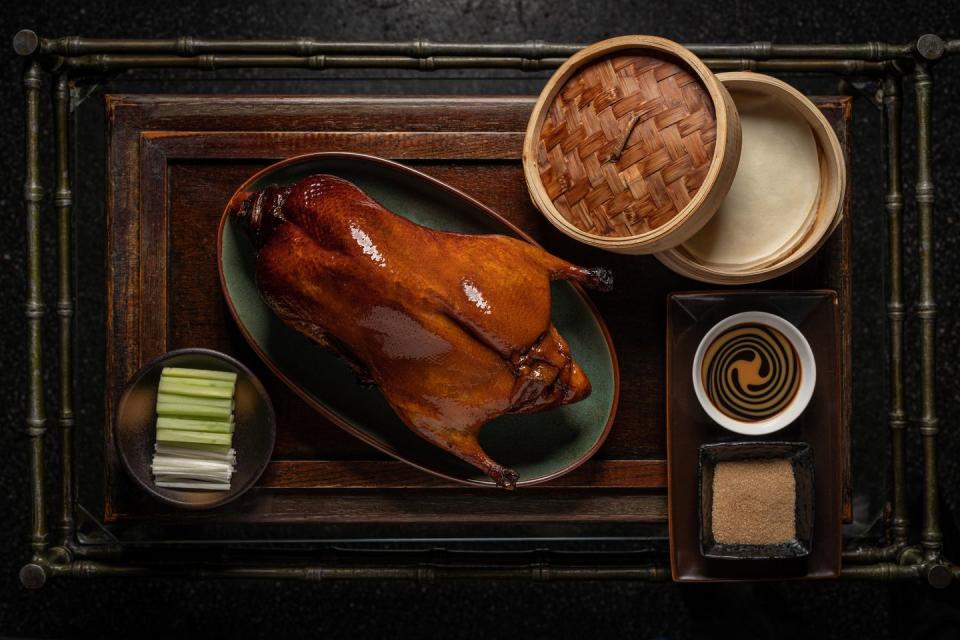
(870, 555)
(930, 537)
(895, 309)
(881, 571)
(187, 46)
(190, 46)
(420, 572)
(36, 420)
(104, 63)
(842, 66)
(63, 199)
(32, 197)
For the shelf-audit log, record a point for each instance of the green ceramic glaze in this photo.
(538, 446)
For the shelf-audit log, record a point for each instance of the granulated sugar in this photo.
(754, 502)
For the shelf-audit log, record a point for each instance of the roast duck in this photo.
(454, 328)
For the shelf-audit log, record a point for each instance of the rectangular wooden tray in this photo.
(173, 161)
(689, 318)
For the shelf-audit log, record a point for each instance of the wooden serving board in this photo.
(173, 161)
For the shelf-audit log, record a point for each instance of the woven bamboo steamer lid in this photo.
(829, 204)
(632, 145)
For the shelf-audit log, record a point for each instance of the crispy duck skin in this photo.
(454, 328)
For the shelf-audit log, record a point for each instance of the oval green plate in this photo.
(539, 446)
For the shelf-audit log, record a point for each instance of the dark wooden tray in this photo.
(689, 318)
(174, 160)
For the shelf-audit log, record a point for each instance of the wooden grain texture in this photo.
(356, 474)
(398, 507)
(123, 255)
(399, 145)
(193, 151)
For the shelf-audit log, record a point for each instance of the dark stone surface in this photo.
(155, 607)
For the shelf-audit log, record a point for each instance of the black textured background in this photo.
(157, 607)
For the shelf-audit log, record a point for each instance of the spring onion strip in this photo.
(192, 466)
(195, 467)
(217, 473)
(210, 486)
(204, 374)
(174, 462)
(182, 450)
(175, 474)
(192, 476)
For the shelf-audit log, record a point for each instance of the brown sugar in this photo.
(754, 502)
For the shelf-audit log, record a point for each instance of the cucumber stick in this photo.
(198, 382)
(185, 424)
(203, 374)
(168, 386)
(195, 411)
(198, 437)
(169, 398)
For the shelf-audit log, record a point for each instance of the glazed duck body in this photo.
(454, 328)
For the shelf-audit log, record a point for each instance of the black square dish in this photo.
(801, 461)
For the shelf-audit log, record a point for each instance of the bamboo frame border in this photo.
(62, 58)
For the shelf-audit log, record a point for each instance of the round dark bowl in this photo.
(135, 427)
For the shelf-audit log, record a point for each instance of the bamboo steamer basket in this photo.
(632, 145)
(828, 206)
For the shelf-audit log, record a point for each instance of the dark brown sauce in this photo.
(751, 372)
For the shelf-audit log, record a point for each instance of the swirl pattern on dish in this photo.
(751, 372)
